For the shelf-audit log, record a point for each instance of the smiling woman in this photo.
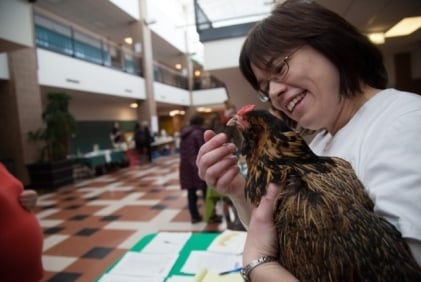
(343, 96)
(327, 89)
(280, 30)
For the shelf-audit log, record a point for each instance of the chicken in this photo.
(326, 226)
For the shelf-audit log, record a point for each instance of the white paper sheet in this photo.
(180, 278)
(167, 242)
(229, 241)
(141, 264)
(212, 261)
(109, 277)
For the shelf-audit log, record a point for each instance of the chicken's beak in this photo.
(232, 121)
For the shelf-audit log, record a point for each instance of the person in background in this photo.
(21, 237)
(233, 134)
(143, 140)
(215, 122)
(296, 61)
(149, 139)
(212, 196)
(191, 140)
(117, 137)
(177, 141)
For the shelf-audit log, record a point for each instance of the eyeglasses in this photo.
(281, 73)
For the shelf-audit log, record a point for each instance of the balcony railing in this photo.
(70, 41)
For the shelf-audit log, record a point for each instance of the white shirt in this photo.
(382, 142)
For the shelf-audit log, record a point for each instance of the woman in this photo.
(297, 61)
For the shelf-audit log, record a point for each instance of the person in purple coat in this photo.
(191, 141)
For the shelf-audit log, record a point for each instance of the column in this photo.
(147, 109)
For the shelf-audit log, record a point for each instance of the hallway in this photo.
(90, 224)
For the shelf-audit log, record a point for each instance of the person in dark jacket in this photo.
(143, 140)
(191, 141)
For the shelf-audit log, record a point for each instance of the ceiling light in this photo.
(134, 105)
(178, 66)
(128, 40)
(177, 112)
(376, 38)
(404, 27)
(204, 110)
(197, 73)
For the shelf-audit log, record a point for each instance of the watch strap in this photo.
(245, 271)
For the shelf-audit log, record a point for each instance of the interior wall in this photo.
(416, 61)
(405, 79)
(240, 92)
(20, 14)
(95, 107)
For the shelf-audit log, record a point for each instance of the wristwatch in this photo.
(245, 271)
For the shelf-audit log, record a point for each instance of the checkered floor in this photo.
(90, 224)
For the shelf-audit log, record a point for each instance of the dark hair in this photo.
(297, 23)
(197, 119)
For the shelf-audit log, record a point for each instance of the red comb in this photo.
(246, 108)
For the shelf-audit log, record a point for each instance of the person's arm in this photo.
(218, 167)
(28, 199)
(262, 239)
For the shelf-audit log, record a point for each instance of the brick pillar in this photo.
(20, 110)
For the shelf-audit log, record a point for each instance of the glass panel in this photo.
(53, 35)
(88, 47)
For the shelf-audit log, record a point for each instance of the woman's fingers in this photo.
(214, 153)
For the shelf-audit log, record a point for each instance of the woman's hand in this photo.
(262, 240)
(218, 165)
(28, 199)
(261, 235)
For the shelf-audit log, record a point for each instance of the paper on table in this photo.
(109, 277)
(205, 275)
(140, 264)
(180, 278)
(167, 242)
(217, 262)
(229, 241)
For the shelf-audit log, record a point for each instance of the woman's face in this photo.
(309, 93)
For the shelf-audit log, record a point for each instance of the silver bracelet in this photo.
(245, 271)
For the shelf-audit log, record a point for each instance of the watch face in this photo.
(244, 274)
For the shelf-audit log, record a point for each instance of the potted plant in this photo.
(53, 168)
